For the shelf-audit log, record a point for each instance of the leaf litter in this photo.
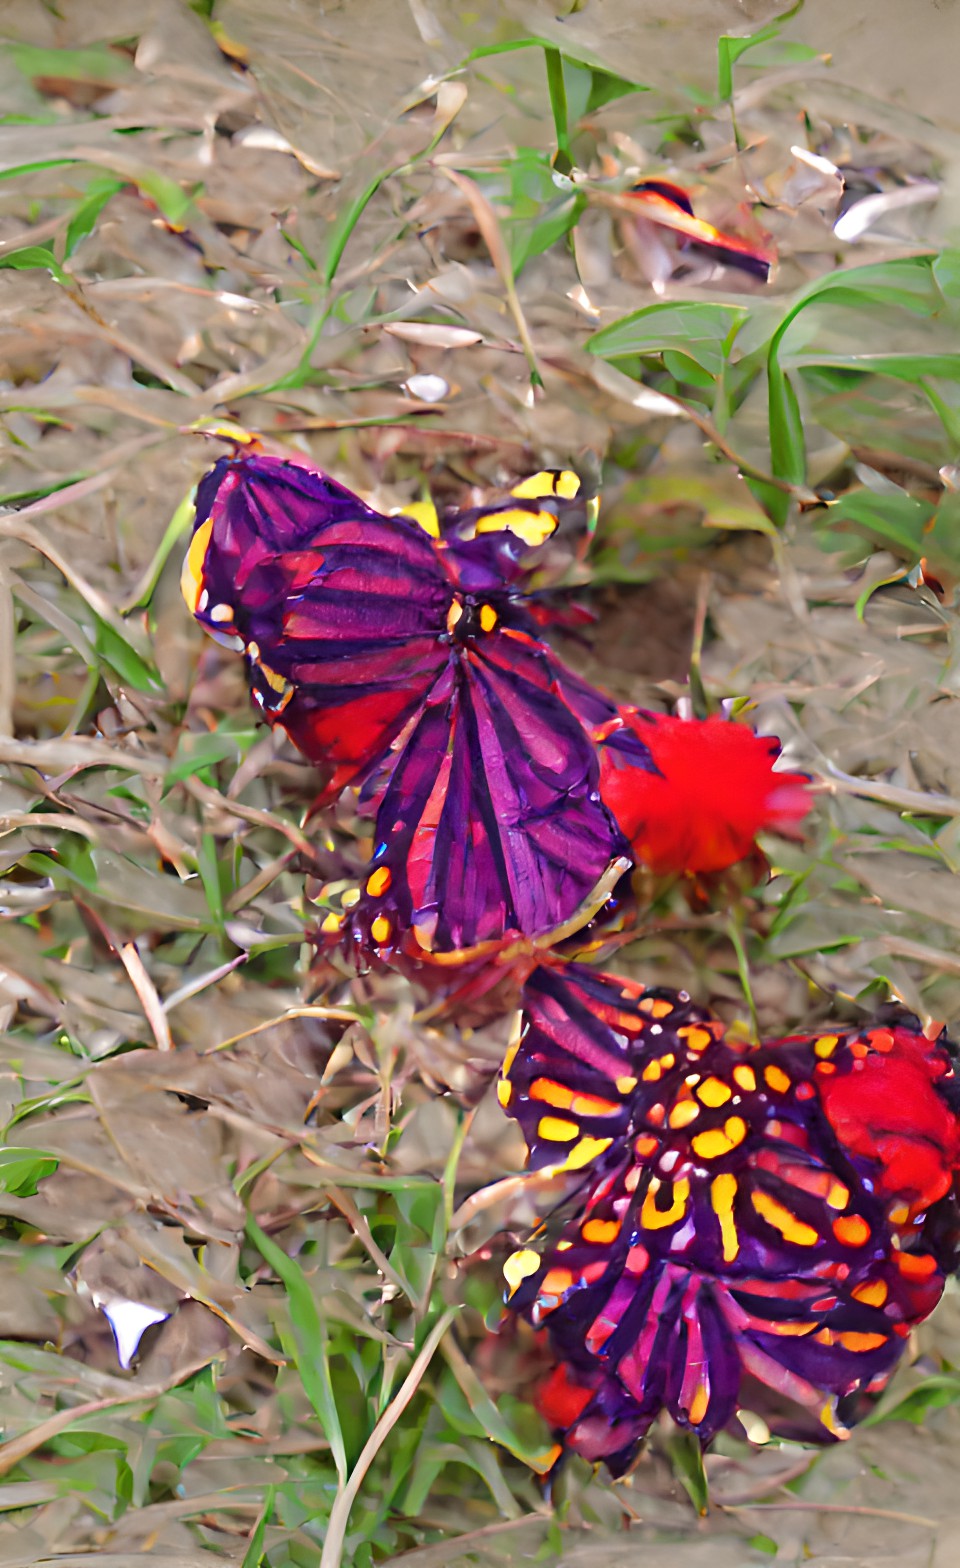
(418, 268)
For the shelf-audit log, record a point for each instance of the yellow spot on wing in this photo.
(600, 1231)
(453, 614)
(714, 1092)
(532, 527)
(519, 1265)
(776, 1079)
(488, 617)
(698, 1405)
(563, 1098)
(652, 1218)
(684, 1113)
(745, 1077)
(565, 484)
(583, 1152)
(191, 577)
(626, 1084)
(556, 1129)
(716, 1141)
(723, 1190)
(425, 514)
(777, 1215)
(504, 1092)
(826, 1045)
(514, 1044)
(380, 929)
(838, 1196)
(331, 922)
(379, 881)
(872, 1294)
(696, 1039)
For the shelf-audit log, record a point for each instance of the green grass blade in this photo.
(310, 1336)
(558, 103)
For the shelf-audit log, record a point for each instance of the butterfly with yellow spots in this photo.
(403, 654)
(786, 1211)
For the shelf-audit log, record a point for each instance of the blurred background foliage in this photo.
(396, 238)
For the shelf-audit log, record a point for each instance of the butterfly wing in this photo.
(338, 609)
(741, 1215)
(490, 826)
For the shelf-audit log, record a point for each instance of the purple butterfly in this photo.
(407, 656)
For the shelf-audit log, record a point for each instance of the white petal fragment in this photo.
(129, 1321)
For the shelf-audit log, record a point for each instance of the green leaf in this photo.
(179, 524)
(606, 86)
(253, 1556)
(787, 450)
(172, 200)
(906, 282)
(932, 1394)
(700, 329)
(763, 1543)
(730, 48)
(558, 104)
(123, 658)
(896, 520)
(946, 275)
(85, 216)
(96, 64)
(197, 751)
(21, 1170)
(33, 257)
(686, 1458)
(311, 1339)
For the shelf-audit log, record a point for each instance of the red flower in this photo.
(716, 789)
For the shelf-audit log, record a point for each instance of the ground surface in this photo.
(326, 224)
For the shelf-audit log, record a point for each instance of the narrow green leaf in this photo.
(311, 1336)
(85, 216)
(730, 48)
(203, 750)
(788, 456)
(347, 222)
(253, 1556)
(180, 522)
(95, 64)
(123, 658)
(896, 520)
(33, 257)
(171, 199)
(208, 866)
(558, 104)
(686, 1458)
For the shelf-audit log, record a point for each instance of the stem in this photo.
(332, 1556)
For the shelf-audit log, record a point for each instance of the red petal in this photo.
(717, 789)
